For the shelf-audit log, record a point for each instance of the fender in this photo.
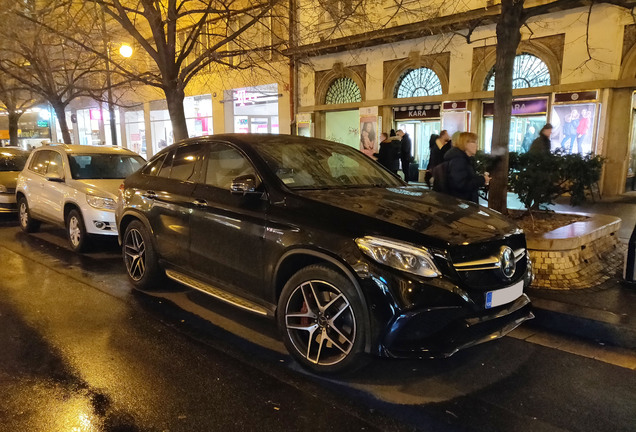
(342, 267)
(137, 215)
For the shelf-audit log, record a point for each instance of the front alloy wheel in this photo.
(76, 231)
(322, 320)
(135, 254)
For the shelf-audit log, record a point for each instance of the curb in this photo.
(584, 322)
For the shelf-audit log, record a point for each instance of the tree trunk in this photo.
(174, 98)
(14, 117)
(508, 38)
(61, 118)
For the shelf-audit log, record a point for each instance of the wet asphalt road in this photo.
(81, 351)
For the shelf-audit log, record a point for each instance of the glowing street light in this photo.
(126, 50)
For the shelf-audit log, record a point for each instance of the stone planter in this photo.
(579, 255)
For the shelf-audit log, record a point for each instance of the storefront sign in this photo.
(416, 112)
(460, 105)
(521, 107)
(4, 134)
(42, 123)
(584, 96)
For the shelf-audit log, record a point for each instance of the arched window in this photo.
(343, 90)
(418, 82)
(528, 71)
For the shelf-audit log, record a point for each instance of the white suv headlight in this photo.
(400, 256)
(101, 202)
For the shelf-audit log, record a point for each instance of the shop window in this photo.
(418, 82)
(529, 71)
(343, 90)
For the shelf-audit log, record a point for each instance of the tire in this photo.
(321, 318)
(76, 231)
(27, 223)
(140, 257)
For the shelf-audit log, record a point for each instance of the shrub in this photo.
(539, 178)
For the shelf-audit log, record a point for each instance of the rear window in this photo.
(104, 166)
(12, 162)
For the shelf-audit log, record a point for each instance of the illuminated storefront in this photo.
(255, 109)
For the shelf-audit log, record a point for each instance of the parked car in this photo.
(74, 186)
(342, 253)
(12, 160)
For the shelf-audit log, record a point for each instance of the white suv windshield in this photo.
(103, 166)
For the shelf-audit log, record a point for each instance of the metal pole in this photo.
(109, 91)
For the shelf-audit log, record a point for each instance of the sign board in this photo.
(458, 105)
(521, 107)
(416, 112)
(576, 97)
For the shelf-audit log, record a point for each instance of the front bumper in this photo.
(466, 330)
(8, 203)
(99, 221)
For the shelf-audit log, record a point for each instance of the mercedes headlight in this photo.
(101, 202)
(400, 256)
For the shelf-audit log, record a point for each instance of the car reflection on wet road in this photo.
(82, 351)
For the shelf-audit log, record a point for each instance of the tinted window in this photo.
(153, 167)
(40, 161)
(164, 171)
(55, 167)
(11, 161)
(323, 165)
(184, 161)
(103, 166)
(225, 163)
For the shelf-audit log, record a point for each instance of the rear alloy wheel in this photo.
(321, 317)
(140, 257)
(76, 231)
(27, 223)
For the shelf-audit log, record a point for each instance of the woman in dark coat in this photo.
(463, 181)
(542, 144)
(439, 145)
(389, 154)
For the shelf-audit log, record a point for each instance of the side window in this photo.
(184, 162)
(225, 163)
(164, 171)
(55, 165)
(153, 167)
(40, 162)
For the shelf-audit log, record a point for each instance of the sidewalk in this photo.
(605, 313)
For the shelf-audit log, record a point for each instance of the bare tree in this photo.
(15, 100)
(177, 40)
(41, 61)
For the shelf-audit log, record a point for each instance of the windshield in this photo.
(11, 161)
(314, 164)
(104, 166)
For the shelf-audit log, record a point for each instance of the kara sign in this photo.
(416, 112)
(521, 107)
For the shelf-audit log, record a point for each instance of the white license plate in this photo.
(504, 295)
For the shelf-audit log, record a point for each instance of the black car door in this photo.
(227, 229)
(170, 192)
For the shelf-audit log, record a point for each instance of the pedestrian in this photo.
(405, 152)
(439, 146)
(389, 154)
(542, 144)
(462, 180)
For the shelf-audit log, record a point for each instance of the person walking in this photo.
(389, 154)
(439, 146)
(405, 153)
(542, 144)
(463, 181)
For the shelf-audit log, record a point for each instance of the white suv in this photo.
(74, 186)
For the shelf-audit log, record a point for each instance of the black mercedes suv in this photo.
(346, 257)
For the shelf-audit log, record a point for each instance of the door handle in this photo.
(149, 194)
(200, 203)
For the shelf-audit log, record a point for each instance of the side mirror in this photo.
(243, 185)
(54, 177)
